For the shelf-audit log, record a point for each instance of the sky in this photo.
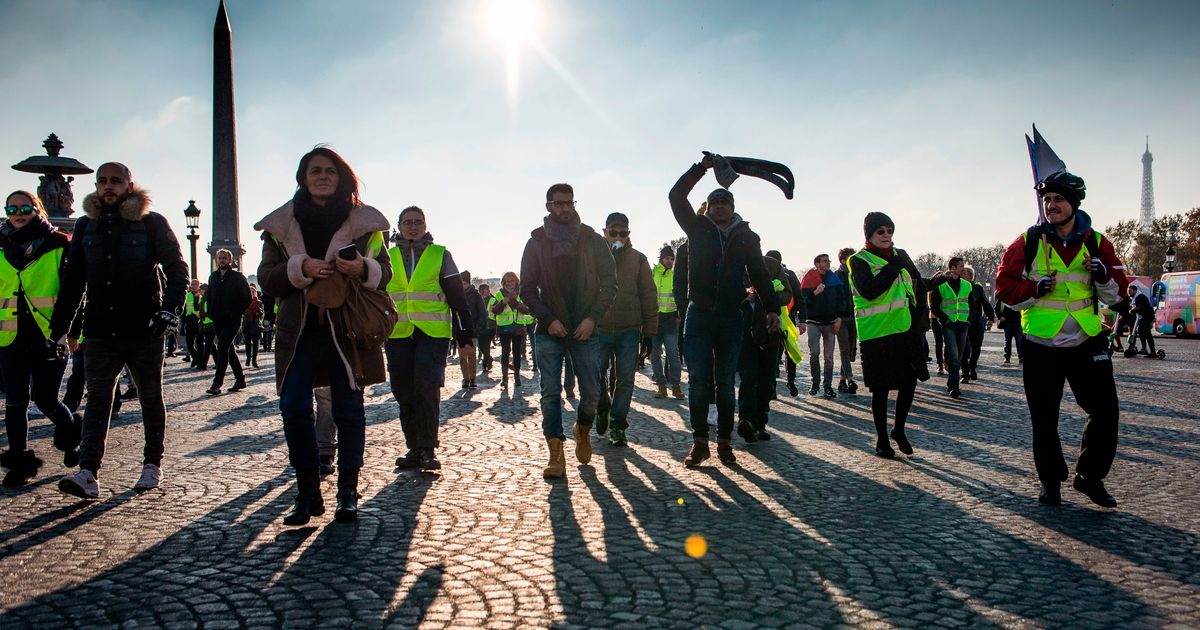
(915, 108)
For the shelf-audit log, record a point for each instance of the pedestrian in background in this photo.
(507, 307)
(847, 336)
(666, 340)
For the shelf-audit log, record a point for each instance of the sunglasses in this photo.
(21, 209)
(618, 233)
(885, 230)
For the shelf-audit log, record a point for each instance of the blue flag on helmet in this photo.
(1045, 162)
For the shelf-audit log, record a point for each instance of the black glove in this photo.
(647, 345)
(1099, 271)
(164, 323)
(1044, 286)
(55, 351)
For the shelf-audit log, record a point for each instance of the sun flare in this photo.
(511, 24)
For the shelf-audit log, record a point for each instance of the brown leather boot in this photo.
(583, 443)
(558, 463)
(677, 392)
(662, 391)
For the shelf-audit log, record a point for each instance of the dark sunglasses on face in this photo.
(618, 233)
(885, 230)
(21, 209)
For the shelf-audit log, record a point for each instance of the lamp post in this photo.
(192, 214)
(1169, 266)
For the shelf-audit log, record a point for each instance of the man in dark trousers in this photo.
(116, 255)
(228, 296)
(1054, 273)
(980, 314)
(569, 281)
(190, 321)
(722, 250)
(948, 303)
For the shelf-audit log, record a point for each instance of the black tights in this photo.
(879, 407)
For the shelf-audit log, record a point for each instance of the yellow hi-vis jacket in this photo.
(1072, 296)
(37, 284)
(664, 284)
(955, 306)
(888, 313)
(420, 302)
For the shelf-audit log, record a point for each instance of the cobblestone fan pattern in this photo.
(807, 530)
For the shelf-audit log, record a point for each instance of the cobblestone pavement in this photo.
(809, 529)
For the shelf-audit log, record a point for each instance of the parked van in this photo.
(1178, 310)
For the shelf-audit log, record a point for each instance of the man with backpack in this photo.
(1054, 273)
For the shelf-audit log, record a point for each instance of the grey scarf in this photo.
(412, 250)
(563, 236)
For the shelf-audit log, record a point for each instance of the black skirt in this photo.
(894, 362)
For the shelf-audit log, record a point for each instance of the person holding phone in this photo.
(301, 243)
(33, 251)
(427, 288)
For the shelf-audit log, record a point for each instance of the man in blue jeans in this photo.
(632, 317)
(948, 301)
(667, 338)
(722, 251)
(569, 281)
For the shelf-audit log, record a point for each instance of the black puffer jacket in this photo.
(716, 261)
(121, 257)
(228, 296)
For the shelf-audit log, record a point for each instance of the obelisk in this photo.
(226, 232)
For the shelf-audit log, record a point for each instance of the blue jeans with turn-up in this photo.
(549, 352)
(711, 343)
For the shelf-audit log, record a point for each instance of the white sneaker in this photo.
(81, 484)
(151, 477)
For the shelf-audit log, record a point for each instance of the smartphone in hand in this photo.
(349, 252)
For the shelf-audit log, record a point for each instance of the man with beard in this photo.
(228, 297)
(1054, 273)
(631, 320)
(569, 281)
(722, 249)
(116, 254)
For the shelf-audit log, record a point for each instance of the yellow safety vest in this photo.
(509, 315)
(38, 284)
(888, 313)
(664, 282)
(420, 302)
(189, 304)
(1072, 295)
(954, 306)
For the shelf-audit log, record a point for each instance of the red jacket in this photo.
(1015, 290)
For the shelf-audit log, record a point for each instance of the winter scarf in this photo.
(318, 223)
(20, 244)
(563, 236)
(412, 250)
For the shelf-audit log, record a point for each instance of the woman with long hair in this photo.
(431, 307)
(33, 251)
(890, 312)
(507, 307)
(324, 231)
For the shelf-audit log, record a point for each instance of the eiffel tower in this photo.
(1146, 219)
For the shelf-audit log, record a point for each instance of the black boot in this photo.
(308, 498)
(22, 466)
(347, 497)
(66, 439)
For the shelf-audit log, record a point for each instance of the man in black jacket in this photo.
(569, 281)
(722, 250)
(823, 293)
(980, 313)
(228, 297)
(115, 256)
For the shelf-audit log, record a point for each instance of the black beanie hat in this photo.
(666, 251)
(875, 220)
(720, 193)
(774, 253)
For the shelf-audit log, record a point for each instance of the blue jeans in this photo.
(23, 368)
(315, 352)
(667, 337)
(625, 346)
(711, 343)
(549, 352)
(955, 334)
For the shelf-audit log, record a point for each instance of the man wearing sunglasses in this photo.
(632, 318)
(118, 252)
(722, 250)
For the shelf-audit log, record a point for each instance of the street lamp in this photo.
(1169, 266)
(192, 214)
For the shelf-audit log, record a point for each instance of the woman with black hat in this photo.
(890, 312)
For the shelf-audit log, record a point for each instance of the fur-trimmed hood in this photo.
(135, 207)
(282, 223)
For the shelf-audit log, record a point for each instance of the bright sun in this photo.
(511, 24)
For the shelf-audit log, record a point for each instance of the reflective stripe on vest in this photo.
(955, 306)
(37, 284)
(664, 282)
(1072, 295)
(419, 301)
(888, 313)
